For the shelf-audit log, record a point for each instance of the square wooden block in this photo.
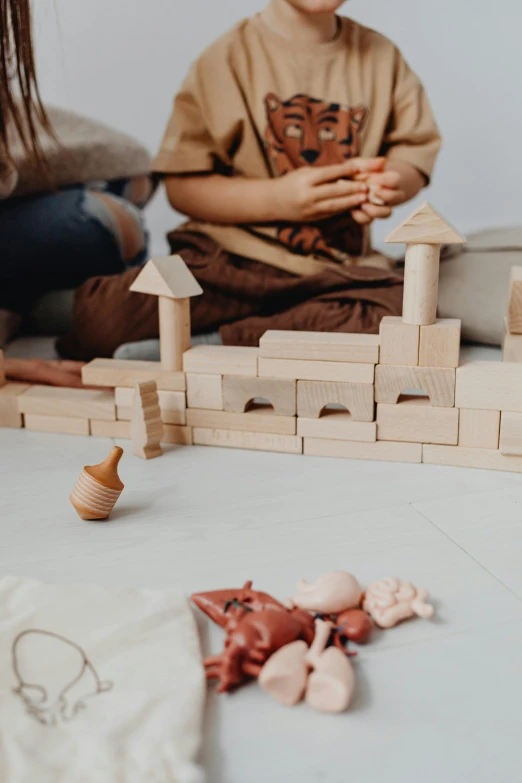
(399, 342)
(440, 343)
(205, 391)
(479, 429)
(489, 386)
(414, 420)
(10, 415)
(511, 434)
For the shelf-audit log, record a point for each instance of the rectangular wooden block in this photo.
(296, 369)
(205, 391)
(514, 314)
(66, 425)
(385, 451)
(179, 435)
(256, 441)
(489, 385)
(10, 415)
(437, 382)
(357, 398)
(511, 433)
(320, 346)
(399, 342)
(172, 405)
(239, 393)
(221, 360)
(461, 457)
(74, 403)
(414, 420)
(512, 348)
(127, 372)
(253, 421)
(479, 429)
(337, 425)
(440, 343)
(111, 429)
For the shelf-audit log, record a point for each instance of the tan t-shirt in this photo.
(257, 105)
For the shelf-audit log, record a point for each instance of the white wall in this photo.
(121, 61)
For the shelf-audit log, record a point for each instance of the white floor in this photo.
(436, 701)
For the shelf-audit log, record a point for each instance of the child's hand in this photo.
(309, 194)
(384, 192)
(50, 373)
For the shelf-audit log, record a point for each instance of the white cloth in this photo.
(98, 685)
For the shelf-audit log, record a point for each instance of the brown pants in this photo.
(242, 298)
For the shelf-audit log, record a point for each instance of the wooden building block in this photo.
(511, 433)
(179, 435)
(10, 415)
(337, 425)
(66, 425)
(76, 403)
(512, 348)
(172, 405)
(489, 385)
(252, 421)
(440, 343)
(221, 360)
(316, 371)
(239, 394)
(514, 314)
(256, 441)
(437, 382)
(320, 346)
(461, 457)
(205, 391)
(146, 424)
(111, 429)
(127, 372)
(2, 371)
(357, 398)
(399, 342)
(414, 420)
(426, 225)
(479, 429)
(381, 450)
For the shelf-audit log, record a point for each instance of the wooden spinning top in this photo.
(98, 488)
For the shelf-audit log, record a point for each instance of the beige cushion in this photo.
(474, 282)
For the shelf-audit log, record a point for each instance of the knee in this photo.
(122, 220)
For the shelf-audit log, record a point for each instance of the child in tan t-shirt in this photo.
(289, 136)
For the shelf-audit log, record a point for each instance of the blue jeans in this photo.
(57, 241)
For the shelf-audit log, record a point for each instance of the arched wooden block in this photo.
(314, 396)
(437, 382)
(239, 392)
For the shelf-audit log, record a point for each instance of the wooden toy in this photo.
(320, 346)
(174, 284)
(262, 420)
(436, 382)
(337, 425)
(111, 429)
(391, 600)
(182, 436)
(354, 625)
(146, 425)
(221, 360)
(440, 343)
(284, 676)
(414, 420)
(386, 451)
(514, 315)
(399, 342)
(98, 488)
(331, 685)
(258, 441)
(298, 369)
(329, 594)
(511, 434)
(479, 429)
(313, 397)
(172, 405)
(512, 348)
(10, 415)
(63, 425)
(461, 457)
(489, 386)
(423, 232)
(240, 394)
(128, 372)
(205, 391)
(74, 403)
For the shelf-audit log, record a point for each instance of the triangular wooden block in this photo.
(168, 276)
(425, 226)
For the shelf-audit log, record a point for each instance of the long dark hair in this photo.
(20, 103)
